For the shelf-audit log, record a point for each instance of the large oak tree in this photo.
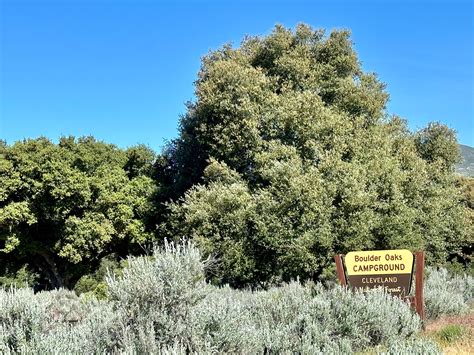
(288, 156)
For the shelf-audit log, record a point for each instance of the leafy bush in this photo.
(447, 294)
(95, 284)
(23, 277)
(297, 318)
(53, 322)
(96, 332)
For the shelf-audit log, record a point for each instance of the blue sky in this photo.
(122, 70)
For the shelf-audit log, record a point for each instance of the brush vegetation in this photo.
(162, 304)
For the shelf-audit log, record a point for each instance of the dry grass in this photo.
(462, 345)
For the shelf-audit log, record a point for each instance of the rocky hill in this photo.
(466, 167)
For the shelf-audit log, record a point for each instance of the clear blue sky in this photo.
(122, 70)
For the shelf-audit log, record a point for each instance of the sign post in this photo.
(420, 267)
(390, 269)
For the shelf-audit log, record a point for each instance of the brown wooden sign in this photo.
(390, 269)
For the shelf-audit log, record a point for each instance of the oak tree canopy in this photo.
(288, 156)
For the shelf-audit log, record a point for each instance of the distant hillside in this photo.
(466, 168)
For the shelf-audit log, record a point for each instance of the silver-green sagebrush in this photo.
(162, 304)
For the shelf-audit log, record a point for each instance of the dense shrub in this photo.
(97, 332)
(22, 317)
(95, 283)
(22, 277)
(155, 295)
(297, 318)
(53, 322)
(163, 302)
(447, 294)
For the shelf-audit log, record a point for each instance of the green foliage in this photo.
(140, 160)
(450, 333)
(438, 143)
(95, 284)
(459, 269)
(288, 157)
(465, 256)
(21, 278)
(63, 206)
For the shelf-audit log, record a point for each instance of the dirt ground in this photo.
(465, 344)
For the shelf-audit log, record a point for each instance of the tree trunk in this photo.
(50, 268)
